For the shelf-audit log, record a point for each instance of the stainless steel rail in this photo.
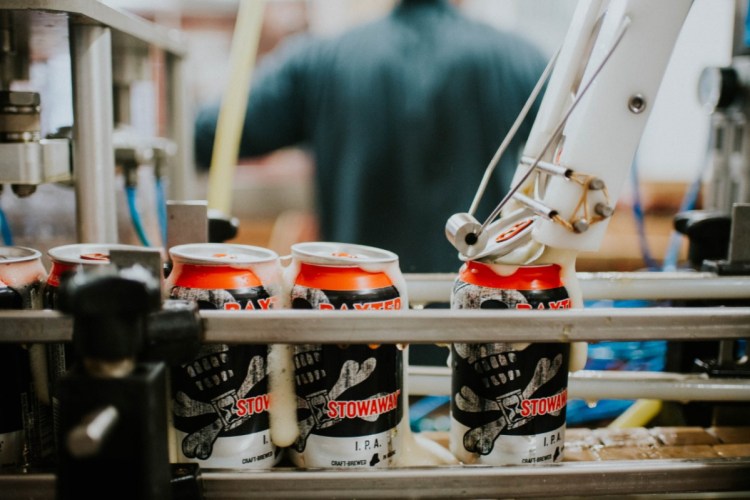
(594, 385)
(567, 479)
(683, 285)
(102, 14)
(553, 481)
(427, 326)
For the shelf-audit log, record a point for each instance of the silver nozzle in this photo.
(465, 233)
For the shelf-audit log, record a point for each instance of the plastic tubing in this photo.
(234, 104)
(689, 202)
(640, 220)
(135, 217)
(5, 229)
(638, 415)
(161, 210)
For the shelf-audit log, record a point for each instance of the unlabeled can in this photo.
(508, 400)
(350, 396)
(22, 415)
(221, 399)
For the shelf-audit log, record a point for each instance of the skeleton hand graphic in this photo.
(199, 444)
(481, 439)
(351, 374)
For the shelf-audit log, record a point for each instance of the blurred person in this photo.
(402, 116)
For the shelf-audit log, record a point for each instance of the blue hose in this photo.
(5, 229)
(648, 259)
(689, 202)
(675, 239)
(161, 210)
(135, 217)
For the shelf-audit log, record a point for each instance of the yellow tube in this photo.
(233, 104)
(639, 414)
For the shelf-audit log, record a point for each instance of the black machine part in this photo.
(113, 423)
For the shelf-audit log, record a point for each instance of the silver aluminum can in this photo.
(350, 397)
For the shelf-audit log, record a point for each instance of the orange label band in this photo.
(58, 269)
(524, 278)
(214, 277)
(340, 278)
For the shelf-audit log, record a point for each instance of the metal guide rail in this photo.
(427, 326)
(619, 478)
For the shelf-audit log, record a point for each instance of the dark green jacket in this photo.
(402, 116)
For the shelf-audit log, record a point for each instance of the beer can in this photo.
(71, 259)
(21, 412)
(68, 260)
(508, 400)
(220, 399)
(350, 398)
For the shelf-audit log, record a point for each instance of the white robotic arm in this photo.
(586, 133)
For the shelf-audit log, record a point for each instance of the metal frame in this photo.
(89, 26)
(680, 285)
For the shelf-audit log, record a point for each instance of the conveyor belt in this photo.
(599, 462)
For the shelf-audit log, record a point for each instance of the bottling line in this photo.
(105, 45)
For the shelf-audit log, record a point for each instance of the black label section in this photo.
(312, 298)
(224, 390)
(501, 391)
(498, 390)
(468, 296)
(13, 366)
(347, 391)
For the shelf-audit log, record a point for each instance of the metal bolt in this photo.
(580, 225)
(13, 98)
(596, 184)
(603, 209)
(23, 190)
(86, 439)
(637, 103)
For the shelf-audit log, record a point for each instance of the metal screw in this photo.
(581, 226)
(637, 104)
(86, 439)
(596, 184)
(603, 209)
(23, 190)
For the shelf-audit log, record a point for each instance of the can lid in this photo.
(12, 255)
(87, 254)
(341, 254)
(222, 254)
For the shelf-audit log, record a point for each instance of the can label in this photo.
(221, 398)
(508, 400)
(350, 397)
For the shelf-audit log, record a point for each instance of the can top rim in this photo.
(221, 254)
(13, 254)
(73, 254)
(342, 253)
